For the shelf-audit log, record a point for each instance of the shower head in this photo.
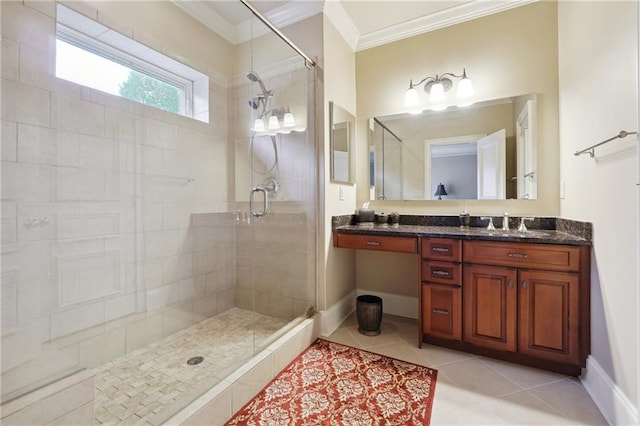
(255, 103)
(252, 76)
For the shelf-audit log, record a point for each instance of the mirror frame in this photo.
(339, 118)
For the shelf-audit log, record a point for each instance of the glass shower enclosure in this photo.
(130, 234)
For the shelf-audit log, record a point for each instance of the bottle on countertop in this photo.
(465, 218)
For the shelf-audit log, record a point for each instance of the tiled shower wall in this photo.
(275, 266)
(99, 251)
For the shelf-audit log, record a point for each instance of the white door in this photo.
(526, 142)
(492, 166)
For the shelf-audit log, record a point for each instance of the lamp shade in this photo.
(465, 92)
(258, 125)
(411, 98)
(437, 93)
(288, 120)
(273, 123)
(440, 191)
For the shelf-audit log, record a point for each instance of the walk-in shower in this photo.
(133, 260)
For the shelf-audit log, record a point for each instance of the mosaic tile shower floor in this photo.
(143, 386)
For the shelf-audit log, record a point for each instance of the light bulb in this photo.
(465, 88)
(258, 125)
(437, 93)
(273, 123)
(411, 98)
(289, 120)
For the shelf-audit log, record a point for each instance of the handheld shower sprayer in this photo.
(262, 98)
(252, 76)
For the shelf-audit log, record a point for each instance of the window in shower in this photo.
(90, 54)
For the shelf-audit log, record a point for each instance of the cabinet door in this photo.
(441, 311)
(489, 303)
(548, 315)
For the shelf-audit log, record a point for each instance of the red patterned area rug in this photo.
(334, 384)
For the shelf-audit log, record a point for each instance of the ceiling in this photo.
(363, 23)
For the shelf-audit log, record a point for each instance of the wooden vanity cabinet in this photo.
(376, 242)
(532, 307)
(441, 288)
(490, 303)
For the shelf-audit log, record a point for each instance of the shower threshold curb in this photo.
(206, 402)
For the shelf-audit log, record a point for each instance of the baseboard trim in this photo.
(610, 400)
(331, 318)
(395, 304)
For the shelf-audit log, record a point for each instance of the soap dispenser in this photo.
(465, 219)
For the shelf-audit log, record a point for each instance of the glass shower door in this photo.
(276, 190)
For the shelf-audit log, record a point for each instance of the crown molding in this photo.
(435, 21)
(207, 16)
(283, 16)
(343, 23)
(298, 10)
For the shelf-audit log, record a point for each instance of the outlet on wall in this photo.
(341, 193)
(562, 190)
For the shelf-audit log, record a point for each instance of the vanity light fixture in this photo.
(436, 87)
(273, 123)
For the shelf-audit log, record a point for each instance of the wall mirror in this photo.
(341, 141)
(485, 151)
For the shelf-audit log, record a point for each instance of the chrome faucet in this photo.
(490, 226)
(505, 222)
(522, 227)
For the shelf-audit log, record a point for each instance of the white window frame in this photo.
(85, 33)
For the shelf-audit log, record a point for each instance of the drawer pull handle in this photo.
(518, 255)
(525, 285)
(373, 243)
(510, 284)
(440, 312)
(440, 272)
(440, 249)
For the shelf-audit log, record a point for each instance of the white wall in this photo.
(337, 277)
(598, 49)
(505, 54)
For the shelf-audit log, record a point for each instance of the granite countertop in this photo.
(542, 230)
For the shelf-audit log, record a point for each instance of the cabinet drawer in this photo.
(446, 249)
(442, 272)
(442, 311)
(523, 255)
(376, 242)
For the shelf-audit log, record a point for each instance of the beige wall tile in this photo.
(9, 137)
(77, 115)
(25, 104)
(177, 319)
(10, 61)
(144, 332)
(103, 348)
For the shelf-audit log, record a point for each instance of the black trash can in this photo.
(369, 314)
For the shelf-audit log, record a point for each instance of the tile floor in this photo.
(148, 385)
(474, 390)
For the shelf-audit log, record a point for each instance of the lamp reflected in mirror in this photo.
(440, 191)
